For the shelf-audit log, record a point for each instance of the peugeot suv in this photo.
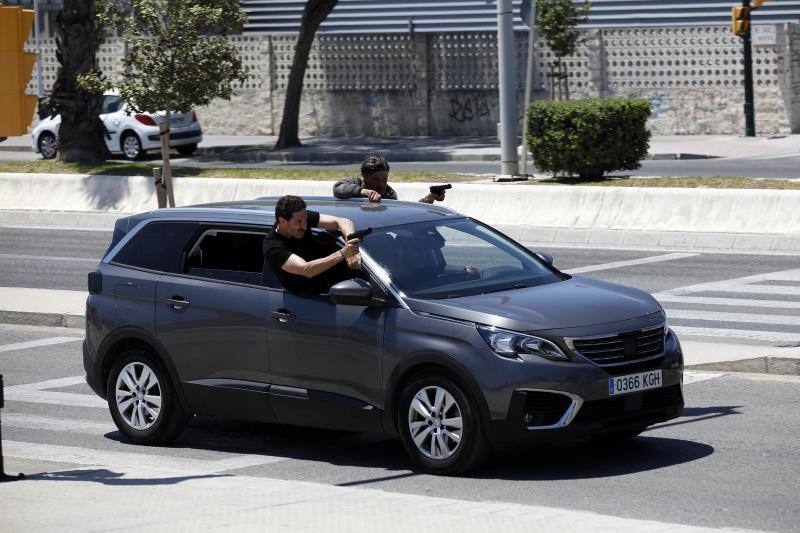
(452, 336)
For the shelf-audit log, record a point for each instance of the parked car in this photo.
(454, 337)
(129, 133)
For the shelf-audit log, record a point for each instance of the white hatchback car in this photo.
(127, 132)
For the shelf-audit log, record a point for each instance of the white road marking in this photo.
(784, 275)
(769, 336)
(632, 262)
(36, 344)
(693, 376)
(744, 288)
(734, 302)
(38, 393)
(733, 317)
(91, 456)
(49, 423)
(48, 258)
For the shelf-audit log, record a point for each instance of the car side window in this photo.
(229, 255)
(111, 104)
(157, 246)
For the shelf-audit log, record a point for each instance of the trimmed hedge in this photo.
(590, 137)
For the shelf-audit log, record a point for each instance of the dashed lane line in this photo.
(37, 344)
(632, 262)
(748, 318)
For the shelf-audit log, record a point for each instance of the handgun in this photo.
(360, 234)
(439, 189)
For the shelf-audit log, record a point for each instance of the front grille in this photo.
(546, 408)
(622, 348)
(629, 405)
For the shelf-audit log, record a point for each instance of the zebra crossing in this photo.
(763, 308)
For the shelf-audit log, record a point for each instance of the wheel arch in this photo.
(405, 372)
(123, 339)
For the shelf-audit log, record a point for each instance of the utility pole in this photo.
(749, 109)
(506, 63)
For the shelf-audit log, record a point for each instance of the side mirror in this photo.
(547, 258)
(351, 292)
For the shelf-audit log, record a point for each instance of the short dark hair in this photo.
(373, 164)
(287, 206)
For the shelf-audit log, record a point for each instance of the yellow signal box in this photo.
(740, 20)
(16, 65)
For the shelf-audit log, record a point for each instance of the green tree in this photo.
(178, 57)
(556, 22)
(81, 134)
(315, 12)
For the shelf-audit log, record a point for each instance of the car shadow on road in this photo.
(108, 477)
(590, 459)
(580, 460)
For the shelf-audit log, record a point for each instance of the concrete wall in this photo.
(446, 84)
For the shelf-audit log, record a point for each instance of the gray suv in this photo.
(453, 336)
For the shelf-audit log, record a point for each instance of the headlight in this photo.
(511, 344)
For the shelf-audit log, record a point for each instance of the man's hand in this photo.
(352, 254)
(373, 196)
(431, 197)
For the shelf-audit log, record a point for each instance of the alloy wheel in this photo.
(138, 396)
(47, 145)
(131, 147)
(435, 422)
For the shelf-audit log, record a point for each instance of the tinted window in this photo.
(228, 255)
(454, 258)
(111, 104)
(157, 246)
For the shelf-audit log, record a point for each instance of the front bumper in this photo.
(582, 407)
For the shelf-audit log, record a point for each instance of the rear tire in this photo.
(142, 401)
(440, 426)
(131, 146)
(187, 149)
(47, 145)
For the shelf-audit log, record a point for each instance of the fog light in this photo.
(527, 419)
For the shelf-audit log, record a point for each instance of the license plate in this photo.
(634, 382)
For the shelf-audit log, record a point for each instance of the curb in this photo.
(26, 318)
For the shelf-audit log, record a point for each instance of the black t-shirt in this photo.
(278, 249)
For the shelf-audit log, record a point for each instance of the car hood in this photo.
(576, 302)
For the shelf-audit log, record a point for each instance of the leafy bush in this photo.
(588, 138)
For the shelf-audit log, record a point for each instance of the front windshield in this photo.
(453, 258)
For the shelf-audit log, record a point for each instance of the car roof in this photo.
(362, 212)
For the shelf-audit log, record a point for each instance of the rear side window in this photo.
(158, 246)
(228, 255)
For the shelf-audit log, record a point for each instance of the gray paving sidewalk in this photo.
(254, 149)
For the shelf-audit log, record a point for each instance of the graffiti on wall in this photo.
(659, 103)
(469, 108)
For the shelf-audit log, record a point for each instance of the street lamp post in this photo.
(506, 62)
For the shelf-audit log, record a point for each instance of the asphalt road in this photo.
(785, 166)
(737, 309)
(731, 461)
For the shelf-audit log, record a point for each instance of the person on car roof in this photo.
(374, 183)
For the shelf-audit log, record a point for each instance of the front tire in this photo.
(131, 146)
(142, 400)
(440, 426)
(48, 145)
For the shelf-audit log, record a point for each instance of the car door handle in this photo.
(177, 302)
(283, 316)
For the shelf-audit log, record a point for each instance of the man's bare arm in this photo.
(344, 225)
(308, 269)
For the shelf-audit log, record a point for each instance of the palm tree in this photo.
(315, 12)
(81, 134)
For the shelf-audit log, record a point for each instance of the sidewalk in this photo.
(45, 307)
(254, 149)
(197, 501)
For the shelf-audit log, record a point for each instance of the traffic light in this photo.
(16, 108)
(740, 20)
